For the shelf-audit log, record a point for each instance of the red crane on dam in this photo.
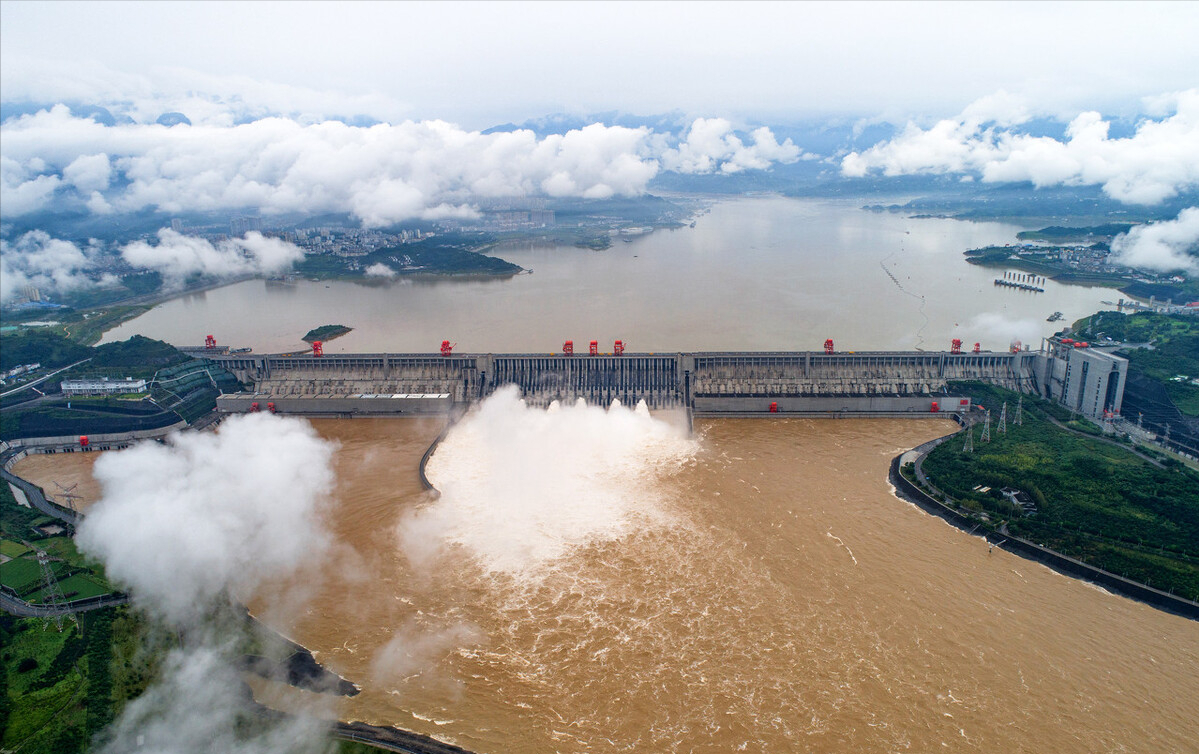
(595, 348)
(828, 346)
(318, 349)
(447, 348)
(568, 348)
(618, 348)
(955, 346)
(977, 348)
(209, 342)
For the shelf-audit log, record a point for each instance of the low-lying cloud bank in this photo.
(184, 526)
(382, 174)
(57, 266)
(36, 259)
(1169, 246)
(1157, 162)
(178, 256)
(184, 522)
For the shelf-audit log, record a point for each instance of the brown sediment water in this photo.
(780, 598)
(790, 603)
(73, 471)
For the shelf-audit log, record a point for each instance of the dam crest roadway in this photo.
(799, 383)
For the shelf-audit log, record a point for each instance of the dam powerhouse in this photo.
(823, 383)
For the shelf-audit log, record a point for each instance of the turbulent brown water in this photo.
(790, 603)
(780, 598)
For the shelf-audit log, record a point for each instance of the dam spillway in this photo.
(706, 383)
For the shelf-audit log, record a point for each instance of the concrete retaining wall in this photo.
(340, 406)
(107, 438)
(825, 406)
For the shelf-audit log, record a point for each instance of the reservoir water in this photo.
(765, 273)
(758, 588)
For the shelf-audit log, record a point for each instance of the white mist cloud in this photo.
(177, 256)
(417, 647)
(711, 146)
(997, 331)
(1157, 162)
(1164, 246)
(50, 264)
(199, 707)
(379, 270)
(382, 174)
(183, 522)
(522, 487)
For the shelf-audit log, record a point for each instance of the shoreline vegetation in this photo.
(1058, 481)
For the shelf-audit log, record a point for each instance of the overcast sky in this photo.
(483, 63)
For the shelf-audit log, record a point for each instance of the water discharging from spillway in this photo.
(758, 589)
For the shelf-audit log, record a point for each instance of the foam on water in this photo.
(522, 487)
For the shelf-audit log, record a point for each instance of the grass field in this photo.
(1097, 502)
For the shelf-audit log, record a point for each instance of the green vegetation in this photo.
(77, 576)
(441, 255)
(86, 327)
(595, 243)
(58, 690)
(1096, 501)
(184, 388)
(444, 254)
(326, 332)
(1059, 234)
(1046, 261)
(49, 349)
(1173, 350)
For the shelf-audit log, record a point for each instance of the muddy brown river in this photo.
(757, 589)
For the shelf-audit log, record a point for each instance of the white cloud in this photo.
(178, 256)
(1157, 162)
(89, 172)
(382, 174)
(1166, 246)
(22, 190)
(379, 270)
(711, 146)
(998, 331)
(50, 264)
(182, 523)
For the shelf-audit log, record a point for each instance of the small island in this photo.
(326, 333)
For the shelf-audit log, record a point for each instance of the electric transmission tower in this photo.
(986, 436)
(1002, 428)
(52, 595)
(69, 496)
(969, 446)
(1019, 412)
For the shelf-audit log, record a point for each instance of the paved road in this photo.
(40, 380)
(21, 608)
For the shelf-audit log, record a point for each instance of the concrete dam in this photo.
(891, 383)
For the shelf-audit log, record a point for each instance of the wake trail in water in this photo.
(919, 331)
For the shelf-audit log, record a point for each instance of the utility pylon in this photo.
(1002, 428)
(52, 595)
(1019, 412)
(986, 436)
(969, 446)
